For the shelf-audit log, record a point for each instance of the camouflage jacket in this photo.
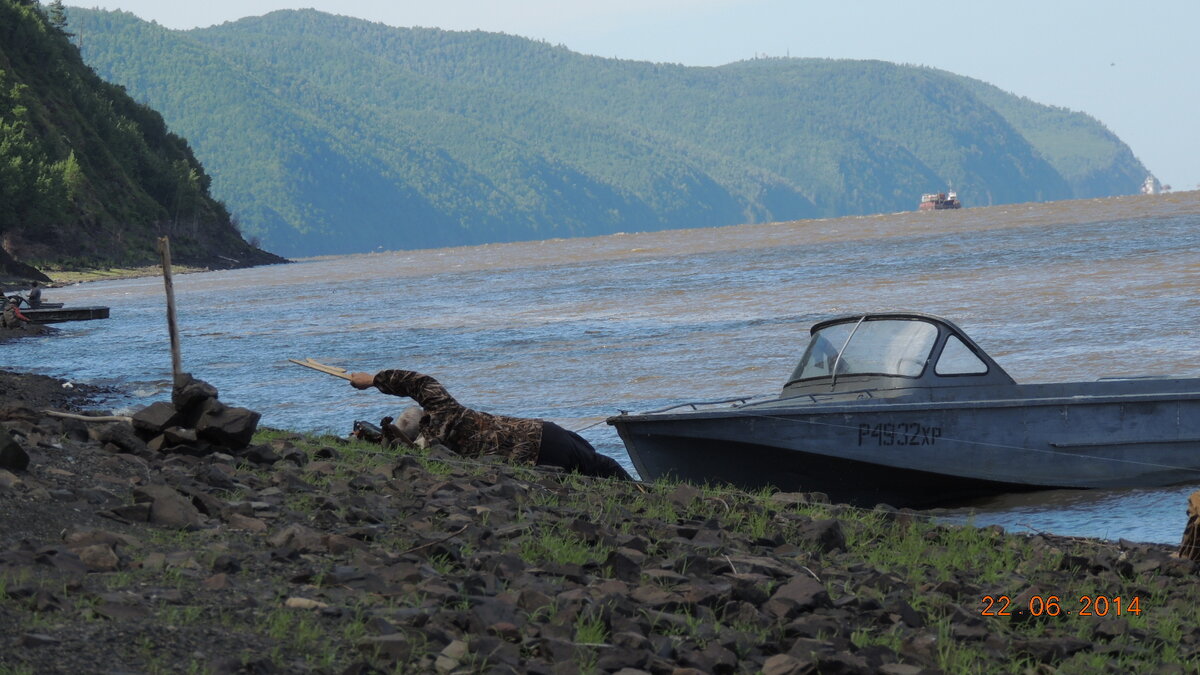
(11, 317)
(468, 432)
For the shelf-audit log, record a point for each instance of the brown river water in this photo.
(576, 330)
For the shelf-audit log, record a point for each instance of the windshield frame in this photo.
(915, 343)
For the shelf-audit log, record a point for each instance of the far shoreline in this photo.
(70, 278)
(63, 278)
(1182, 202)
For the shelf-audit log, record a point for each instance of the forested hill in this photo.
(88, 177)
(328, 134)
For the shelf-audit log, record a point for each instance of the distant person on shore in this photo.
(35, 295)
(12, 316)
(471, 433)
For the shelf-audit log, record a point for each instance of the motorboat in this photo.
(904, 408)
(53, 312)
(50, 314)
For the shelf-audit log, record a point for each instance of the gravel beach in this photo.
(191, 541)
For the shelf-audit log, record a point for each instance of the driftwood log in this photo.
(89, 418)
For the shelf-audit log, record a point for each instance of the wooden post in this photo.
(164, 250)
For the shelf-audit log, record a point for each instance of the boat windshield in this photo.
(891, 347)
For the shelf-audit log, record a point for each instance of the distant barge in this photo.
(939, 200)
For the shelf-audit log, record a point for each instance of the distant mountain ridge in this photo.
(89, 177)
(327, 134)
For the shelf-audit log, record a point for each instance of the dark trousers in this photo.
(570, 451)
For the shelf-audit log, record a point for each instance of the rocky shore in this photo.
(189, 541)
(28, 330)
(53, 278)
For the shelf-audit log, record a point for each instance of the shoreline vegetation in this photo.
(297, 553)
(71, 277)
(61, 278)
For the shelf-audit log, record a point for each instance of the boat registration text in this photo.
(900, 433)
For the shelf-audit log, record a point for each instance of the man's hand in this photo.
(362, 380)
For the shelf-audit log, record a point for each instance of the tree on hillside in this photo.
(86, 173)
(58, 17)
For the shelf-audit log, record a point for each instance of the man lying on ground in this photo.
(471, 433)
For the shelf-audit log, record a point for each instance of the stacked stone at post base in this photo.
(195, 422)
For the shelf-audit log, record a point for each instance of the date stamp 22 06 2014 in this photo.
(1053, 605)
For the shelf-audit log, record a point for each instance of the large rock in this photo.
(120, 435)
(801, 594)
(626, 563)
(225, 426)
(168, 507)
(786, 664)
(397, 647)
(825, 536)
(99, 557)
(189, 393)
(299, 537)
(154, 418)
(12, 456)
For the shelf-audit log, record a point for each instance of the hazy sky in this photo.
(1131, 65)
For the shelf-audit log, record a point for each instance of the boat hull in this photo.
(63, 314)
(929, 452)
(703, 461)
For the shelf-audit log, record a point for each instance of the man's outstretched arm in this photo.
(426, 391)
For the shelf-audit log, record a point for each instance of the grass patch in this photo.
(561, 547)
